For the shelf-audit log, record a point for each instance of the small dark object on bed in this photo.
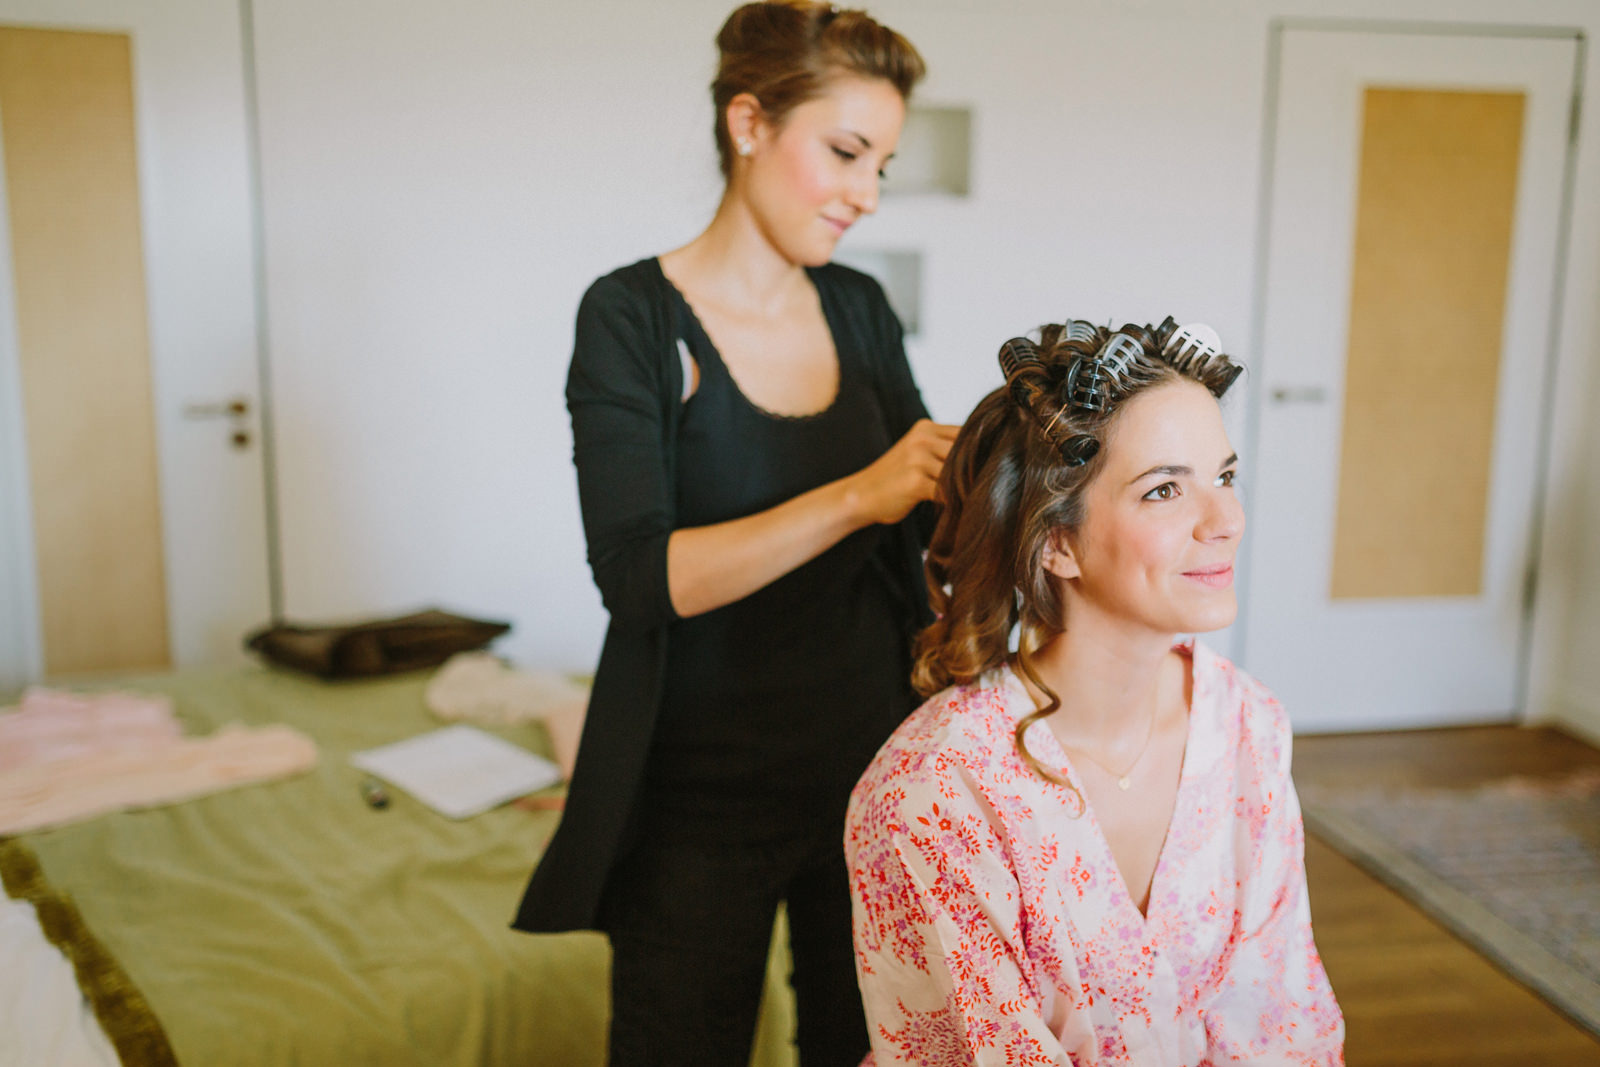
(373, 792)
(384, 646)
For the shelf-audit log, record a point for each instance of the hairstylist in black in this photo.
(752, 453)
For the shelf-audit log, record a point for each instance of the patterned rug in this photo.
(1512, 867)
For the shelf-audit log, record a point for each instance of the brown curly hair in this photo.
(1014, 478)
(783, 52)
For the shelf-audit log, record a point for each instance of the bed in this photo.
(291, 923)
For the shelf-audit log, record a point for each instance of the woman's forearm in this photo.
(710, 566)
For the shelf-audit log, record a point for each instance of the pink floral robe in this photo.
(992, 927)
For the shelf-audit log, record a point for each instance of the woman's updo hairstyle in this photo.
(783, 52)
(1016, 476)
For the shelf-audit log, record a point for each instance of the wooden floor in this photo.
(1411, 992)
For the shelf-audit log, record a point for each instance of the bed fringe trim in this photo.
(124, 1014)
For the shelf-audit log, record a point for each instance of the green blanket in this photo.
(290, 923)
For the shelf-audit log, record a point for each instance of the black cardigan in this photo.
(623, 392)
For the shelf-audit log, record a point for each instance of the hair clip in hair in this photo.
(1193, 343)
(1077, 330)
(1119, 351)
(1079, 449)
(1087, 387)
(1191, 347)
(1092, 378)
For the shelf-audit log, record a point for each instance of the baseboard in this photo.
(1578, 714)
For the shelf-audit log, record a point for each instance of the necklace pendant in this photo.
(1124, 782)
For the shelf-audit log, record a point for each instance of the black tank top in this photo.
(789, 691)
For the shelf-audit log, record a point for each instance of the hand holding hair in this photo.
(903, 477)
(709, 566)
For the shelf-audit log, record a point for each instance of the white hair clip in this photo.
(1118, 351)
(1191, 345)
(1190, 350)
(1077, 330)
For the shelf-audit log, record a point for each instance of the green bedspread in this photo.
(289, 923)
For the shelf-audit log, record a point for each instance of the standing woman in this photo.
(751, 454)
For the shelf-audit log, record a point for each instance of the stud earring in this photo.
(744, 147)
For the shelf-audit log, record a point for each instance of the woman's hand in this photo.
(709, 566)
(905, 476)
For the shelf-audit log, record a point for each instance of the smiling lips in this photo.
(1218, 577)
(836, 224)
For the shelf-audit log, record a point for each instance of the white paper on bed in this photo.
(43, 1016)
(460, 770)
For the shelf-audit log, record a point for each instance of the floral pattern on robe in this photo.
(993, 927)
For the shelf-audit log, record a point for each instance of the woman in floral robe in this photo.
(1085, 848)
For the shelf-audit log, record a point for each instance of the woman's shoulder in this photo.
(625, 321)
(1250, 717)
(956, 733)
(637, 282)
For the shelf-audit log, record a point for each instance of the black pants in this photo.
(689, 910)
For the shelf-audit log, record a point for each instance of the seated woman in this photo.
(1088, 850)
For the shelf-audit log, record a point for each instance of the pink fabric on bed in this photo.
(50, 725)
(65, 757)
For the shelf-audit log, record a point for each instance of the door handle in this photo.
(236, 410)
(1299, 394)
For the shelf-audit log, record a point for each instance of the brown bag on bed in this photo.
(384, 646)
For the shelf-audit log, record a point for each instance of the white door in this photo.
(1400, 381)
(194, 196)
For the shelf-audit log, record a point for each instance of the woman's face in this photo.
(1162, 521)
(811, 177)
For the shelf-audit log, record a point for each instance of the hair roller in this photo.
(1018, 358)
(1079, 449)
(1163, 333)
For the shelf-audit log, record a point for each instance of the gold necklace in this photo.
(1124, 780)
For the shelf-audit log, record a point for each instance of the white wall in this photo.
(1574, 698)
(442, 181)
(21, 657)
